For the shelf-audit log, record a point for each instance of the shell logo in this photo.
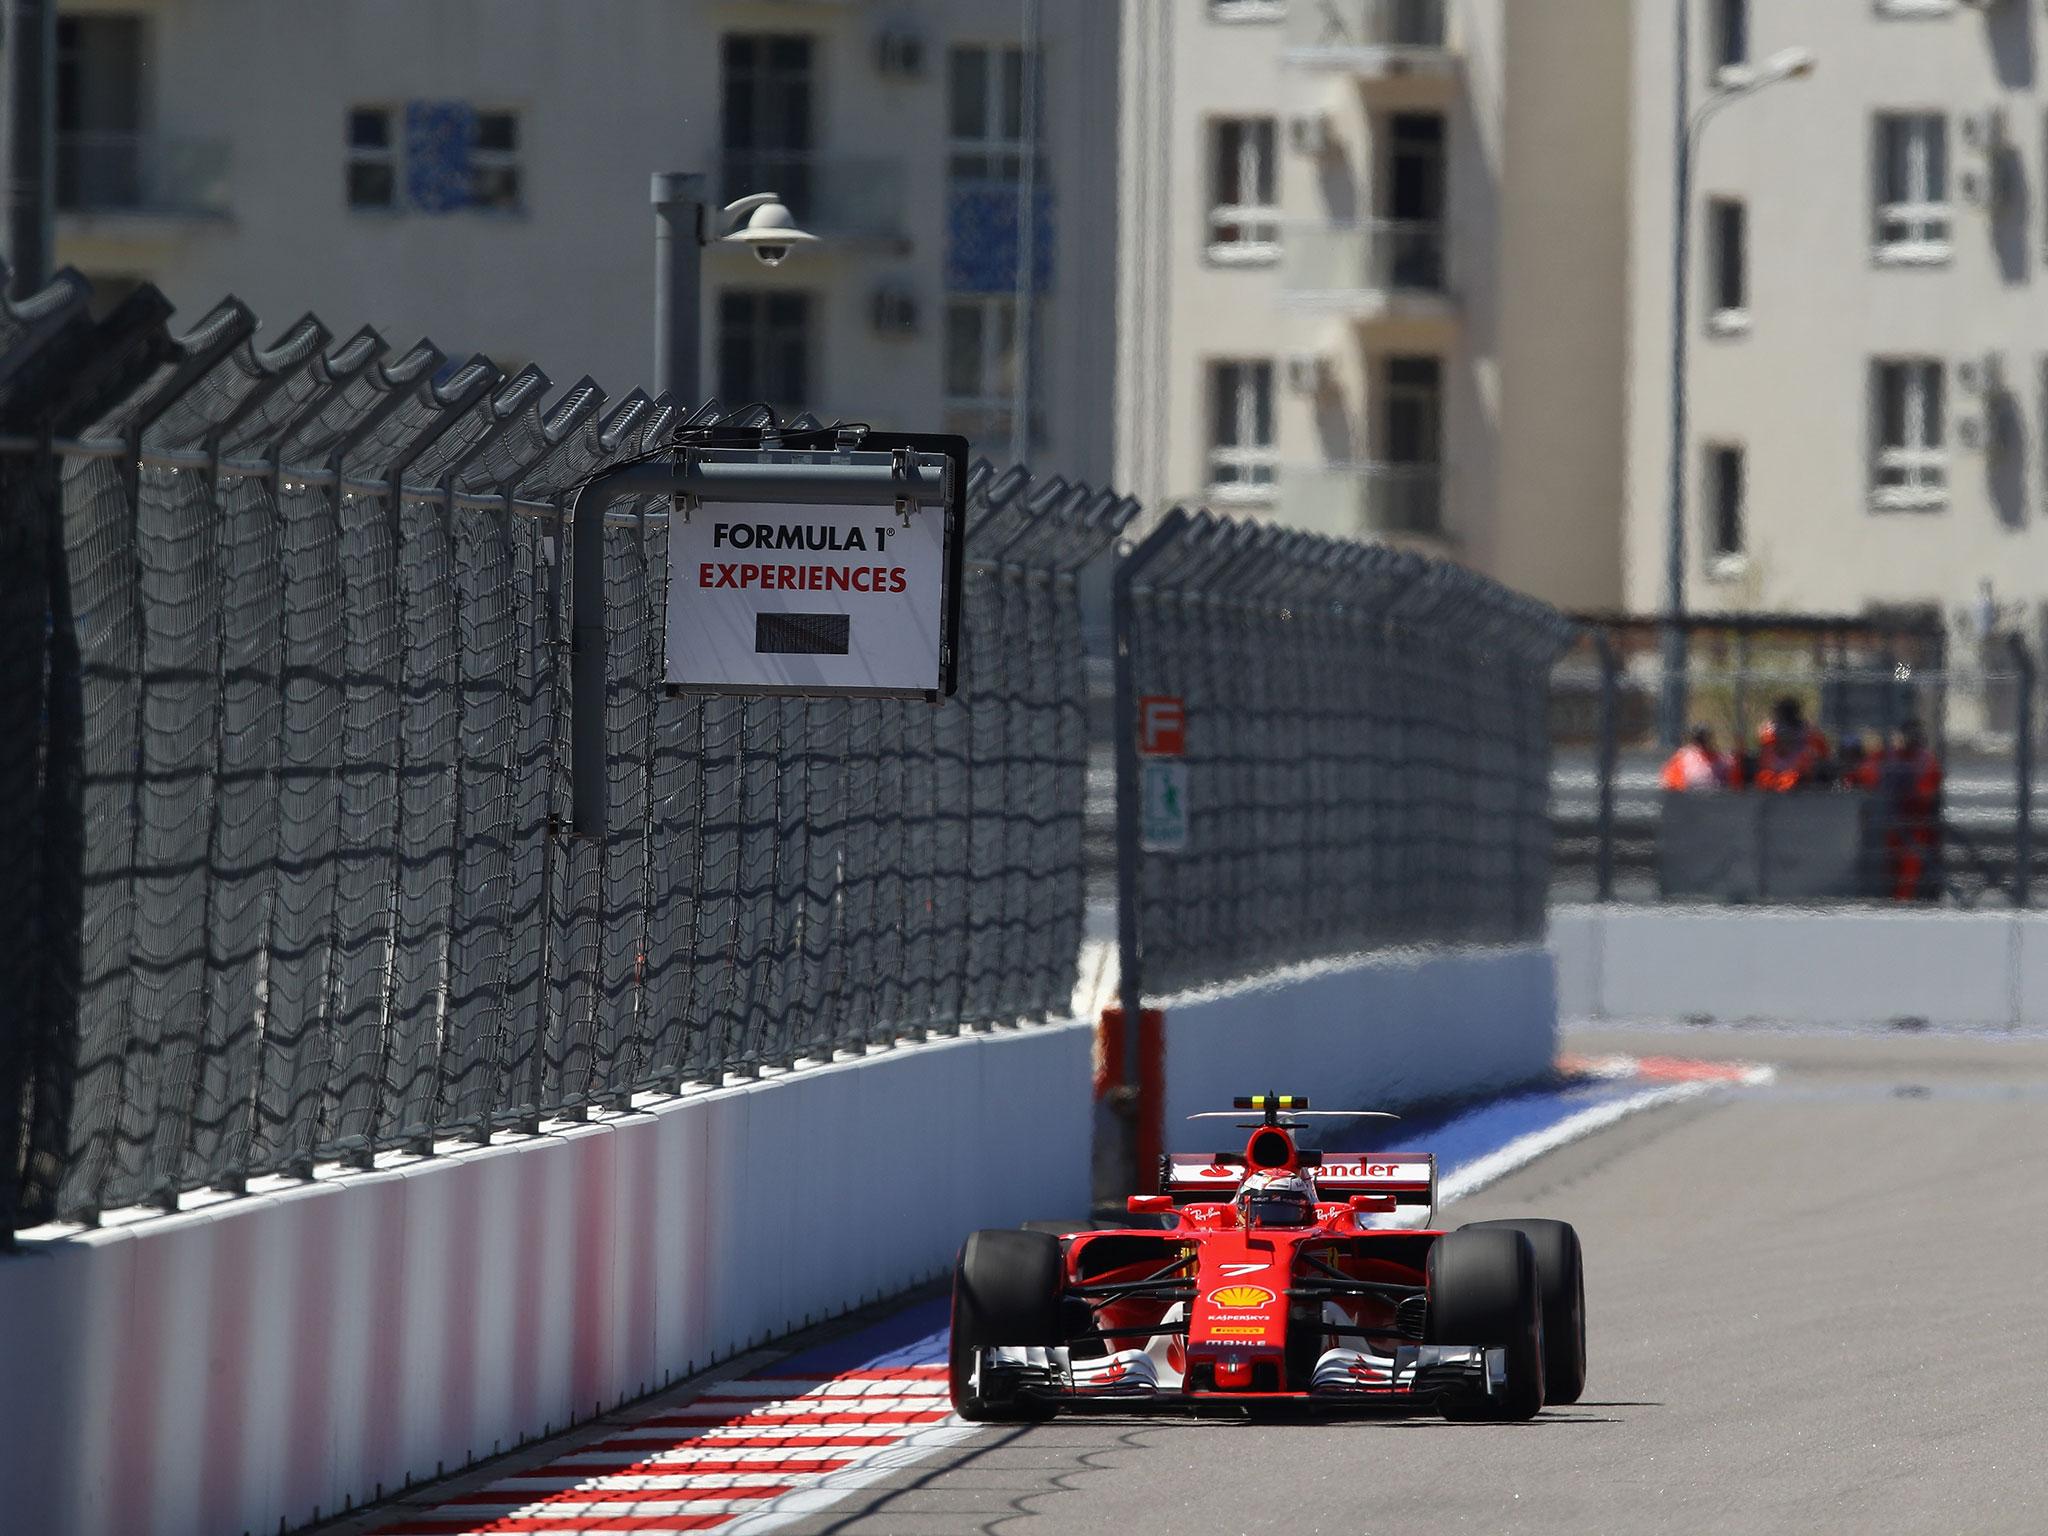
(1239, 1297)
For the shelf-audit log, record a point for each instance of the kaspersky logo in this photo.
(1240, 1298)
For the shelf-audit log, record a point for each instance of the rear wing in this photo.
(1410, 1177)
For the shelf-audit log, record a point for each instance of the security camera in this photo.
(765, 227)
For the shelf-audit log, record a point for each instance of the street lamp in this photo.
(1733, 83)
(681, 231)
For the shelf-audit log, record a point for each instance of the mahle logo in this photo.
(1238, 1297)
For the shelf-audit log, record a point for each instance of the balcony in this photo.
(1373, 39)
(142, 174)
(851, 201)
(1372, 501)
(1383, 267)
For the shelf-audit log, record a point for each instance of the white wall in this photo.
(1370, 1034)
(1793, 389)
(1953, 970)
(273, 1357)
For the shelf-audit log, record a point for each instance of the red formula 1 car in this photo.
(1276, 1275)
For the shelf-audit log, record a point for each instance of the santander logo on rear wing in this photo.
(1409, 1176)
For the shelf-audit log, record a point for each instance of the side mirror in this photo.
(1381, 1203)
(1149, 1205)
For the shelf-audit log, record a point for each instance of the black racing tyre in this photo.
(1561, 1267)
(1484, 1290)
(1006, 1291)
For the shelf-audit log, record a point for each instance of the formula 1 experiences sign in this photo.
(782, 597)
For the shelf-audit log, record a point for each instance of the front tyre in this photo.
(1006, 1292)
(1561, 1268)
(1484, 1291)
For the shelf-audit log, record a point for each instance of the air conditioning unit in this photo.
(1309, 133)
(899, 51)
(1982, 132)
(893, 310)
(1979, 378)
(1307, 372)
(1977, 430)
(1980, 181)
(1980, 402)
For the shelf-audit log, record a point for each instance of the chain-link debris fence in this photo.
(1859, 759)
(285, 771)
(1362, 757)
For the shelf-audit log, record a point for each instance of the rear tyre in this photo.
(1006, 1291)
(1561, 1269)
(1484, 1290)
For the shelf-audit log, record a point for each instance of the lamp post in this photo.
(681, 232)
(1734, 83)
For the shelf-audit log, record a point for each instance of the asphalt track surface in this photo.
(1814, 1306)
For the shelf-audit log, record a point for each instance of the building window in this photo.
(985, 114)
(1244, 221)
(1724, 498)
(1731, 34)
(981, 368)
(1728, 253)
(768, 123)
(764, 349)
(1410, 445)
(1912, 187)
(494, 162)
(1242, 459)
(1909, 459)
(372, 157)
(99, 76)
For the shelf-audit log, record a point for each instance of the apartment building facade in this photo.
(1868, 384)
(1373, 264)
(476, 171)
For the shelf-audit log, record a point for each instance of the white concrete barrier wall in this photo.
(1366, 1034)
(281, 1357)
(1950, 970)
(286, 1354)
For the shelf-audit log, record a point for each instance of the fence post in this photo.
(2023, 767)
(1116, 1107)
(1606, 752)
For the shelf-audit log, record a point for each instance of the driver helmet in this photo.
(1275, 1200)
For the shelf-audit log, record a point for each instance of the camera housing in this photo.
(766, 228)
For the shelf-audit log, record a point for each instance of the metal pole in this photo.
(31, 142)
(678, 199)
(1024, 319)
(1672, 695)
(1610, 672)
(1116, 1116)
(2023, 755)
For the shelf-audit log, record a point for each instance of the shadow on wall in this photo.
(1339, 434)
(1337, 176)
(2005, 466)
(2009, 33)
(2010, 224)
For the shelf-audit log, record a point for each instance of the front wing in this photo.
(1415, 1376)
